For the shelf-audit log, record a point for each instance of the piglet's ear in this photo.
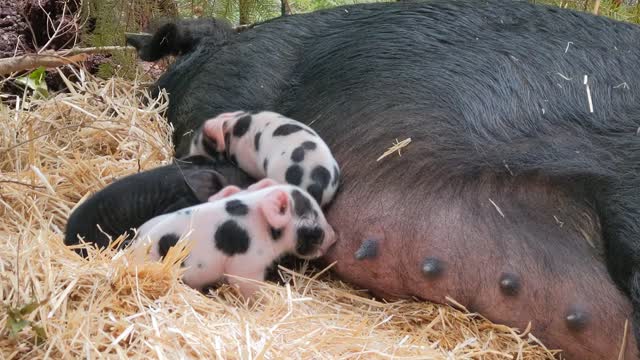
(225, 192)
(212, 129)
(276, 209)
(264, 183)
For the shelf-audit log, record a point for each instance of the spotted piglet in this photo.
(239, 233)
(270, 145)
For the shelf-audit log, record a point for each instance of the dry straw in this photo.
(57, 152)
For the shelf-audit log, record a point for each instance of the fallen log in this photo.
(50, 59)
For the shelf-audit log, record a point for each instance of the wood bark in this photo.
(52, 59)
(285, 8)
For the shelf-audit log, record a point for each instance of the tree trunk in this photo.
(245, 9)
(285, 8)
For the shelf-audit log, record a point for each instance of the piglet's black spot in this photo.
(321, 175)
(167, 242)
(297, 155)
(231, 239)
(265, 163)
(242, 126)
(287, 129)
(209, 145)
(316, 190)
(233, 159)
(432, 267)
(227, 141)
(256, 141)
(309, 239)
(309, 145)
(276, 234)
(509, 284)
(236, 208)
(368, 250)
(301, 203)
(293, 175)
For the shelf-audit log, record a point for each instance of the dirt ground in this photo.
(13, 28)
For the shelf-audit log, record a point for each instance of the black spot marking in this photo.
(167, 242)
(336, 176)
(233, 159)
(309, 239)
(265, 163)
(227, 141)
(275, 233)
(231, 239)
(242, 126)
(294, 175)
(316, 190)
(236, 207)
(576, 319)
(321, 175)
(256, 141)
(287, 129)
(301, 203)
(368, 250)
(200, 265)
(509, 284)
(297, 155)
(309, 145)
(210, 146)
(432, 267)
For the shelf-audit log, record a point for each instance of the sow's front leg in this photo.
(515, 250)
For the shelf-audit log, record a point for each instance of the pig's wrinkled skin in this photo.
(514, 197)
(267, 144)
(239, 233)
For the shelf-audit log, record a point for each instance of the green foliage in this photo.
(112, 19)
(115, 17)
(36, 82)
(618, 10)
(16, 321)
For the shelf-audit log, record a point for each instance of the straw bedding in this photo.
(57, 152)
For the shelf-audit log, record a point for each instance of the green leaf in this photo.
(16, 322)
(16, 325)
(36, 82)
(29, 308)
(37, 75)
(41, 335)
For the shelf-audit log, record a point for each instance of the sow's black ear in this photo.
(179, 37)
(154, 47)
